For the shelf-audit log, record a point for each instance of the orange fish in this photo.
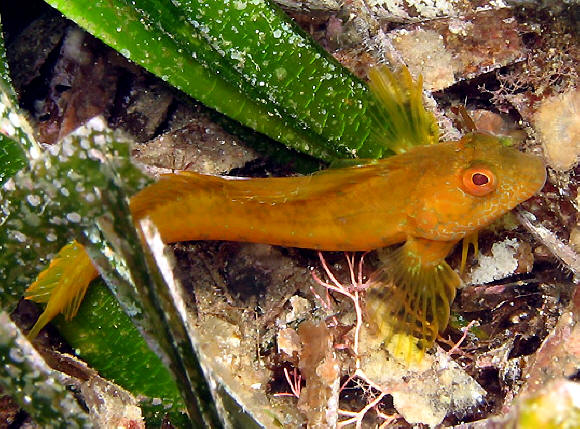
(428, 197)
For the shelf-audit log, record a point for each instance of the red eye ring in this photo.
(478, 181)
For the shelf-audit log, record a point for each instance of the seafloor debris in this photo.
(557, 121)
(111, 406)
(200, 145)
(508, 257)
(321, 370)
(445, 51)
(67, 103)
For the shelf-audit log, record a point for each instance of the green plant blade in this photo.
(135, 279)
(104, 336)
(11, 158)
(264, 72)
(285, 66)
(52, 202)
(38, 389)
(140, 36)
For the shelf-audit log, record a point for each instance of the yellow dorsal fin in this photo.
(62, 286)
(403, 120)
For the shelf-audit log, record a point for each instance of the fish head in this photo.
(467, 184)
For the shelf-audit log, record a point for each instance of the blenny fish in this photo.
(428, 198)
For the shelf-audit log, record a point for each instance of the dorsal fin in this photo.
(403, 120)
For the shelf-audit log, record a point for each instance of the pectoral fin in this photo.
(411, 296)
(62, 286)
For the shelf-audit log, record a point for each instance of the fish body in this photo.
(420, 193)
(428, 198)
(326, 211)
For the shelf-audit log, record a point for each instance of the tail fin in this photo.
(62, 285)
(399, 109)
(410, 301)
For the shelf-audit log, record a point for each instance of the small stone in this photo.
(426, 54)
(502, 263)
(557, 121)
(289, 341)
(300, 308)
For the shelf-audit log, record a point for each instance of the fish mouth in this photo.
(530, 174)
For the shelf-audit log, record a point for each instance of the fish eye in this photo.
(478, 181)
